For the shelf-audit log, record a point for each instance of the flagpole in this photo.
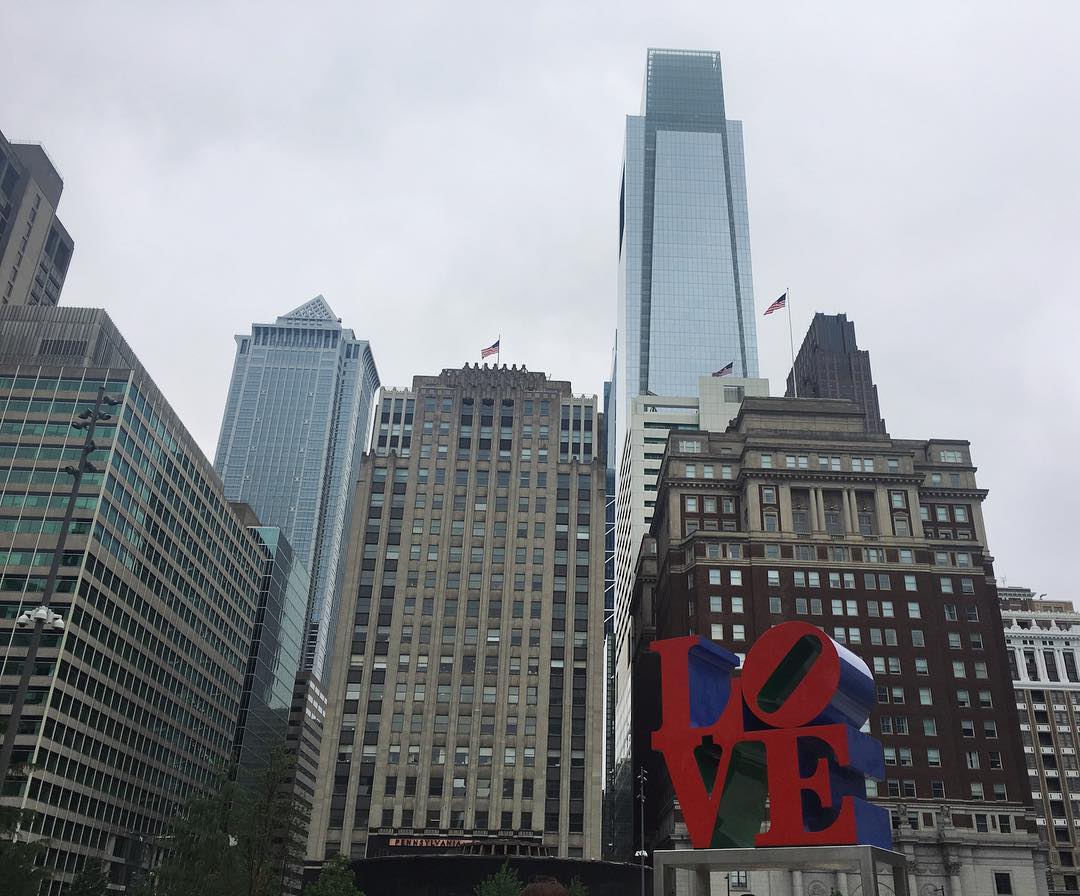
(791, 340)
(498, 351)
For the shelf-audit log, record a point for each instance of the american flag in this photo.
(492, 349)
(727, 370)
(778, 304)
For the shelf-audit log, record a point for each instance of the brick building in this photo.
(797, 512)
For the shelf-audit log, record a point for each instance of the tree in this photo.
(242, 838)
(92, 880)
(577, 888)
(336, 878)
(18, 858)
(270, 828)
(503, 882)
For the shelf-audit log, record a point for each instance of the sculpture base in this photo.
(864, 861)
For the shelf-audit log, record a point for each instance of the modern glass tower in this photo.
(276, 646)
(296, 422)
(685, 310)
(686, 299)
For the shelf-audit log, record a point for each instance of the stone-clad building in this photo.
(1043, 642)
(466, 694)
(35, 248)
(830, 364)
(881, 542)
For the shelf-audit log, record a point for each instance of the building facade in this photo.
(649, 420)
(880, 542)
(1043, 642)
(304, 738)
(831, 365)
(466, 695)
(686, 297)
(274, 658)
(135, 703)
(296, 423)
(35, 248)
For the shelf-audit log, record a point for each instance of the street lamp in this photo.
(643, 853)
(41, 618)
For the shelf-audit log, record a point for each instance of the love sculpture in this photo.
(783, 736)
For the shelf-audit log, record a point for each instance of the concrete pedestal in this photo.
(863, 861)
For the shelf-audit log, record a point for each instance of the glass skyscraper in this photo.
(686, 310)
(296, 422)
(276, 645)
(686, 299)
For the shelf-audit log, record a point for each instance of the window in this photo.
(1002, 879)
(775, 604)
(946, 585)
(766, 461)
(926, 697)
(913, 610)
(736, 604)
(738, 633)
(716, 604)
(691, 471)
(691, 504)
(909, 583)
(717, 632)
(736, 577)
(897, 500)
(929, 727)
(768, 494)
(774, 577)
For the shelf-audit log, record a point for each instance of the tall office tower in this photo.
(35, 249)
(276, 645)
(831, 365)
(686, 299)
(1043, 641)
(685, 295)
(136, 702)
(296, 424)
(881, 542)
(649, 419)
(466, 694)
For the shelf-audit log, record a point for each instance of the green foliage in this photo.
(237, 840)
(18, 858)
(335, 879)
(577, 888)
(503, 882)
(92, 880)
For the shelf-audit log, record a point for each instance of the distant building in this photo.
(466, 692)
(831, 365)
(304, 739)
(1043, 641)
(296, 423)
(819, 520)
(686, 295)
(136, 704)
(274, 659)
(35, 249)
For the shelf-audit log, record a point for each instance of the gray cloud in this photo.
(444, 173)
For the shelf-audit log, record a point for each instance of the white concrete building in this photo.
(649, 419)
(1043, 637)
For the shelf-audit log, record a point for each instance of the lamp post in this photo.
(643, 853)
(42, 618)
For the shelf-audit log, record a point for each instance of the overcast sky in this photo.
(447, 172)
